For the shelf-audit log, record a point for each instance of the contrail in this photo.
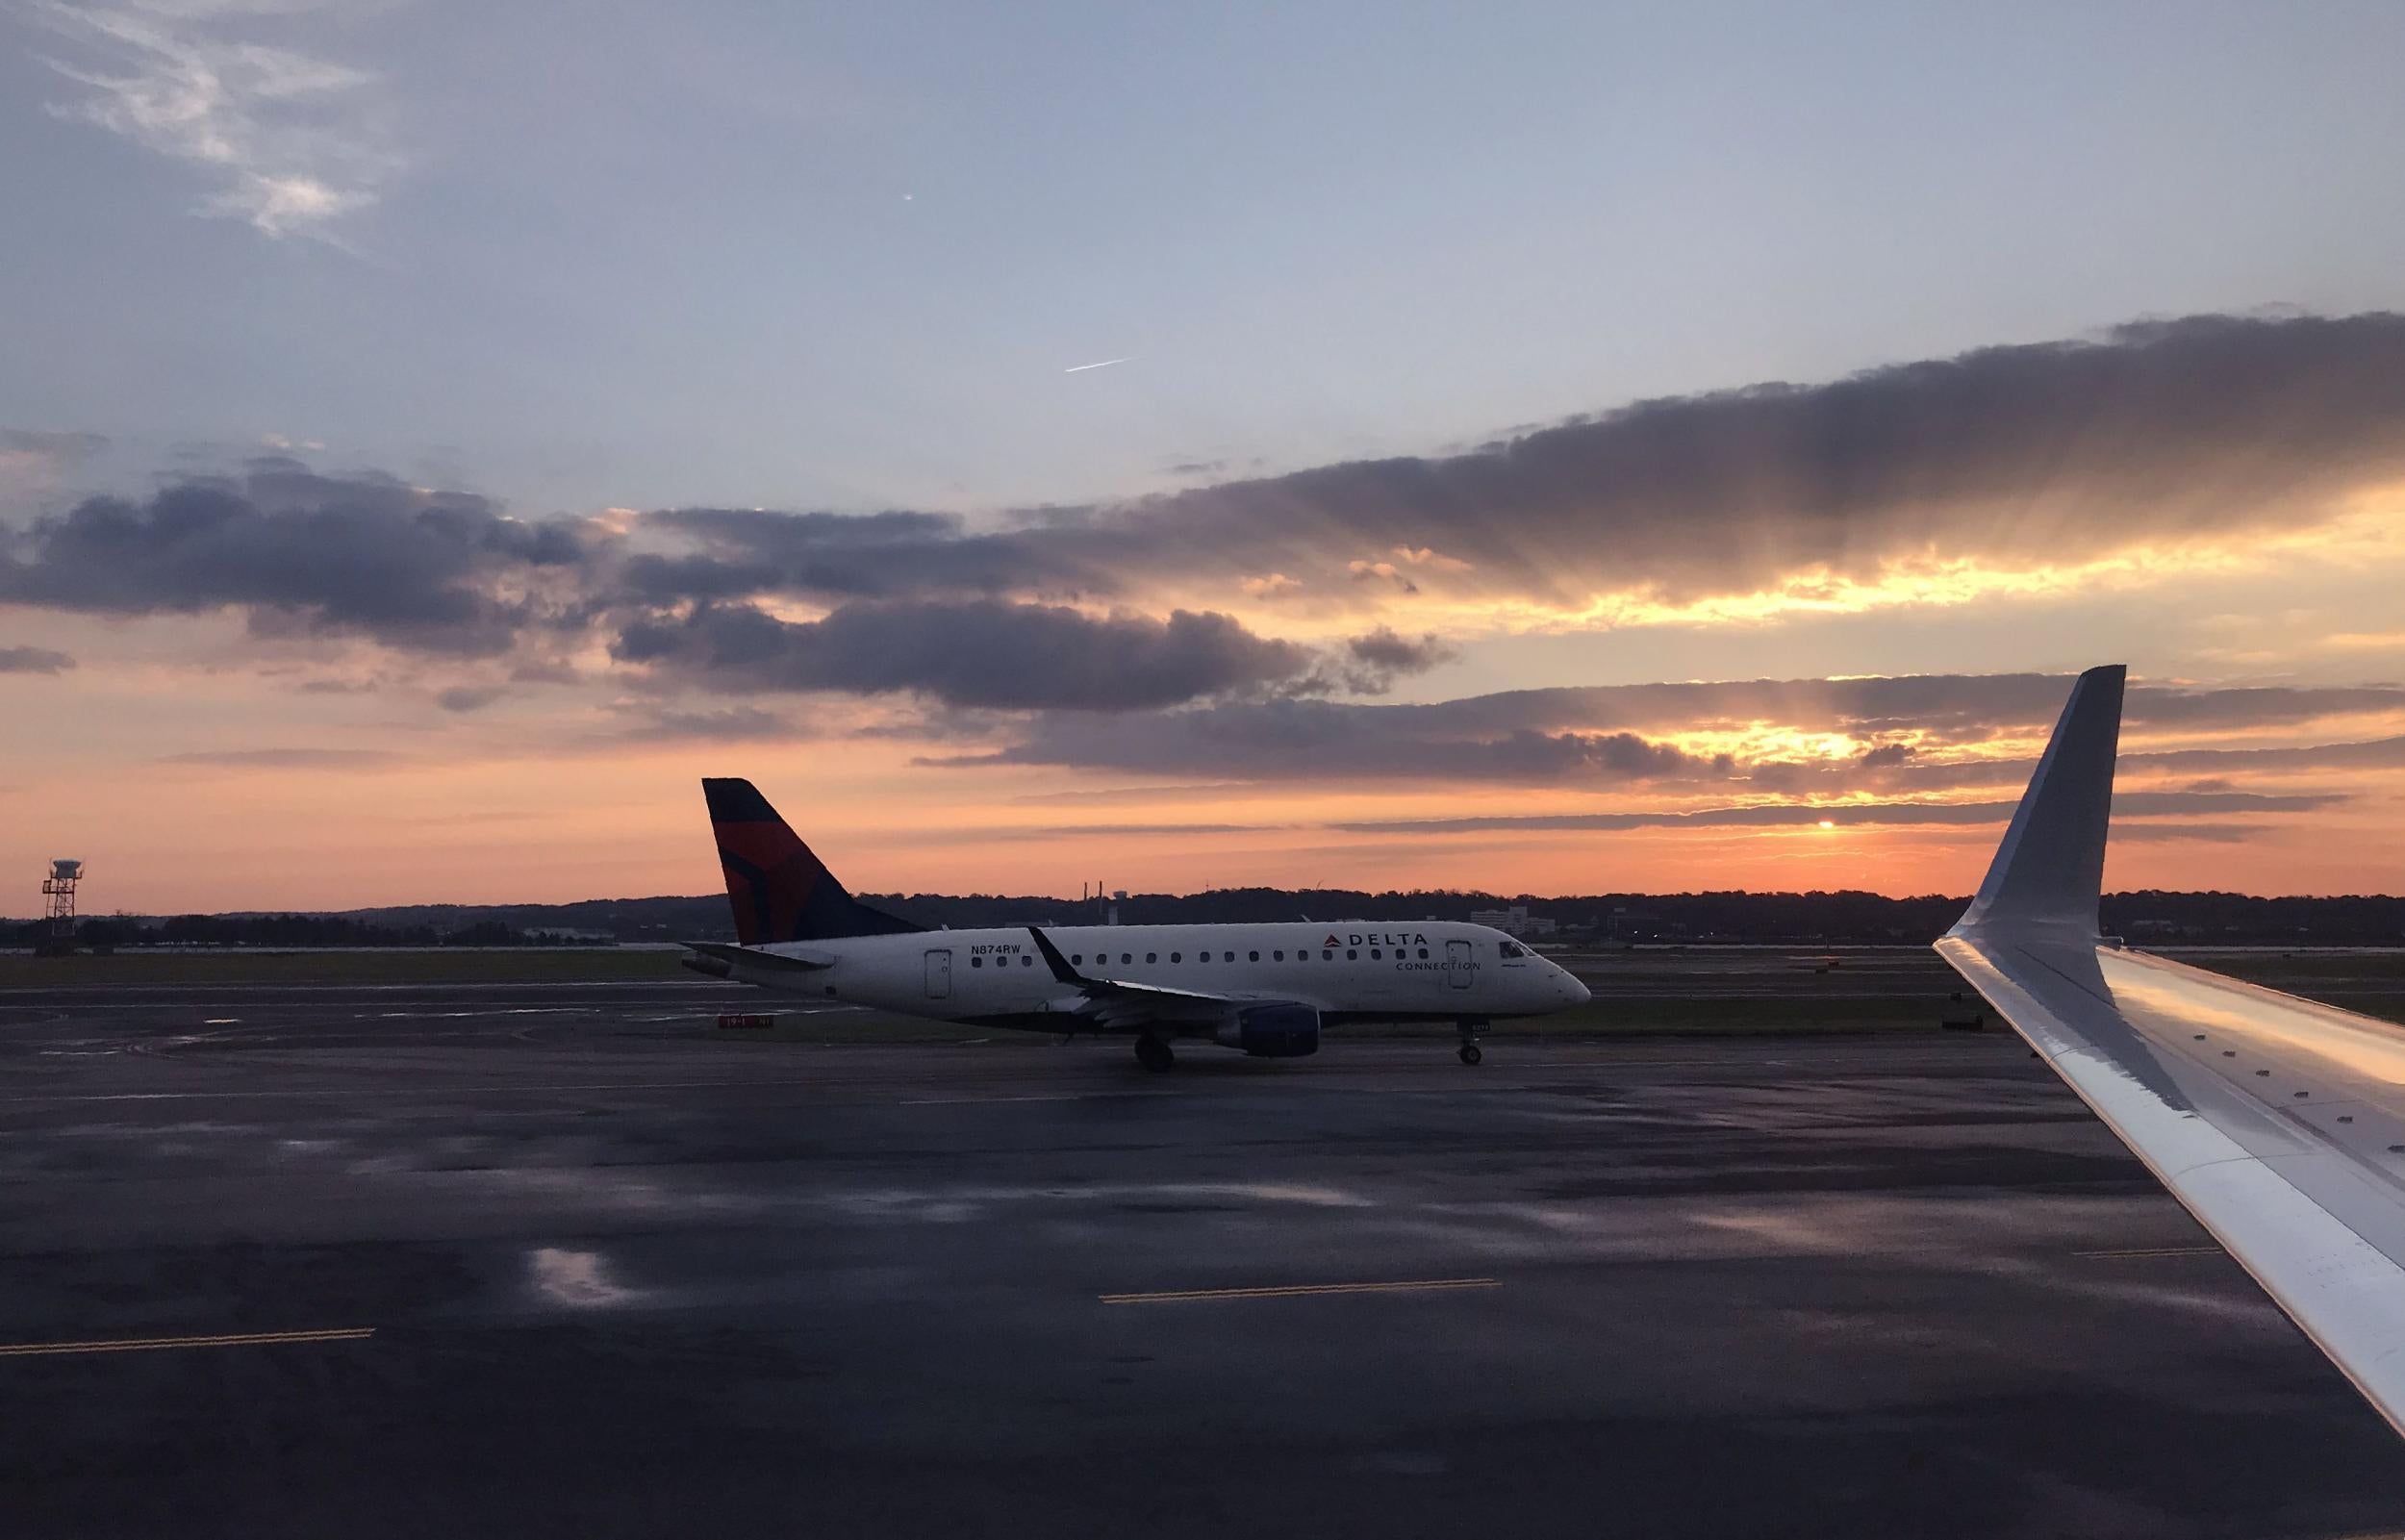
(1080, 368)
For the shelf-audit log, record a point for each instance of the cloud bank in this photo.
(434, 573)
(1084, 626)
(2025, 457)
(33, 660)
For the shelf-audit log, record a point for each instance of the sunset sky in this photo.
(1542, 448)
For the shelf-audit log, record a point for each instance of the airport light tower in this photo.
(59, 889)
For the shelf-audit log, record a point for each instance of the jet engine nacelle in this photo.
(1273, 1031)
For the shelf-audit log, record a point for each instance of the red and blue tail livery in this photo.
(780, 891)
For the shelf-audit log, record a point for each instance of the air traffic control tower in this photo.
(58, 890)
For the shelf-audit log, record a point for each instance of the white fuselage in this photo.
(1354, 970)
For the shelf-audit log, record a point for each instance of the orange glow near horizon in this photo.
(199, 767)
(630, 824)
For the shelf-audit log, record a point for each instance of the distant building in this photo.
(1515, 921)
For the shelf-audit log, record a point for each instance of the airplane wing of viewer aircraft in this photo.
(2279, 1122)
(1265, 989)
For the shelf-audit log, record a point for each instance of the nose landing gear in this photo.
(1154, 1054)
(1468, 1052)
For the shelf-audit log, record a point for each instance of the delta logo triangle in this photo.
(1331, 942)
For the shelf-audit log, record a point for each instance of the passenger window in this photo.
(1375, 955)
(1126, 957)
(1326, 955)
(1075, 958)
(1229, 957)
(1253, 957)
(1176, 957)
(976, 962)
(1424, 955)
(1151, 957)
(1351, 956)
(1026, 961)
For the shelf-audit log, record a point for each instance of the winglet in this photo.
(2050, 867)
(1053, 959)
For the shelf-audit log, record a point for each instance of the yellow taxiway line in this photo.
(226, 1339)
(2136, 1252)
(1291, 1291)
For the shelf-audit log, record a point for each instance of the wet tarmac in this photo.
(559, 1259)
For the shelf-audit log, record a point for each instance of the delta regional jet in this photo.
(2279, 1122)
(1268, 989)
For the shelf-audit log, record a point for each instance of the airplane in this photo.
(2277, 1121)
(1268, 989)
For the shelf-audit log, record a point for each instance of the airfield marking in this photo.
(2135, 1253)
(230, 1339)
(1291, 1291)
(338, 1093)
(1069, 1096)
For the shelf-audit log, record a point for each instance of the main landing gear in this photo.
(1154, 1054)
(1469, 1041)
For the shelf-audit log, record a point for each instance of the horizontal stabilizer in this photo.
(752, 957)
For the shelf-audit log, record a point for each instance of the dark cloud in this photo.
(2148, 816)
(729, 723)
(2043, 452)
(307, 554)
(2378, 753)
(468, 697)
(745, 552)
(1920, 775)
(33, 660)
(1385, 653)
(1849, 814)
(2038, 453)
(1591, 733)
(1319, 740)
(1370, 664)
(977, 653)
(2173, 832)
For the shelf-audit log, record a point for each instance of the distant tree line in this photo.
(292, 930)
(1695, 919)
(1705, 918)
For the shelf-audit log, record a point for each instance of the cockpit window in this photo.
(1513, 949)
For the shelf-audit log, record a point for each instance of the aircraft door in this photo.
(1457, 964)
(939, 974)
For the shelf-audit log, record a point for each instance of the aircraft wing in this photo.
(1121, 1004)
(2278, 1123)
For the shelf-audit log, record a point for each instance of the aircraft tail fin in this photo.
(2050, 867)
(780, 891)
